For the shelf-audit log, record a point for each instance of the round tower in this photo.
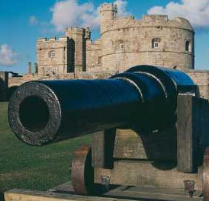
(108, 12)
(154, 40)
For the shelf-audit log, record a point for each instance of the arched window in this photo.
(52, 54)
(156, 42)
(188, 47)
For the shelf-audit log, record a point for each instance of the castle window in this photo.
(120, 44)
(52, 54)
(99, 60)
(188, 47)
(155, 42)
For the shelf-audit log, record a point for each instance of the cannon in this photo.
(147, 125)
(69, 108)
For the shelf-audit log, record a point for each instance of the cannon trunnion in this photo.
(149, 129)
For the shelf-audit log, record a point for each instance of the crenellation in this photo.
(52, 39)
(76, 30)
(63, 39)
(155, 18)
(184, 23)
(108, 7)
(87, 34)
(42, 39)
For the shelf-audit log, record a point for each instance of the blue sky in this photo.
(23, 21)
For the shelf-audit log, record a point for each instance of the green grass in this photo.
(27, 167)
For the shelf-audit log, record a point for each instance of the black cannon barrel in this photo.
(44, 111)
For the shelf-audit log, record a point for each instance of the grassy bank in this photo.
(23, 166)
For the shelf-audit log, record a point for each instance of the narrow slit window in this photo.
(99, 60)
(188, 46)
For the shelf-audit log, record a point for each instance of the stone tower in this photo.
(78, 37)
(108, 12)
(53, 56)
(153, 40)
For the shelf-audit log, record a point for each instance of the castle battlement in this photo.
(93, 42)
(52, 39)
(185, 23)
(147, 21)
(154, 18)
(42, 39)
(163, 20)
(85, 32)
(77, 29)
(108, 7)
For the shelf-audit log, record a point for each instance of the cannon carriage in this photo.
(150, 131)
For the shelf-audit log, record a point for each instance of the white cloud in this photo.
(8, 57)
(196, 11)
(33, 20)
(70, 13)
(122, 7)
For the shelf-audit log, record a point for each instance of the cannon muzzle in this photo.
(44, 111)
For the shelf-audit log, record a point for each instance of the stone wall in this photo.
(93, 56)
(201, 78)
(17, 81)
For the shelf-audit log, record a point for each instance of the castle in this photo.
(124, 42)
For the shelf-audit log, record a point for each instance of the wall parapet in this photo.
(148, 21)
(52, 39)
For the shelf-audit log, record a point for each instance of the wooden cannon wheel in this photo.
(82, 174)
(206, 175)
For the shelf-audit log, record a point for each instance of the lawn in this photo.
(27, 167)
